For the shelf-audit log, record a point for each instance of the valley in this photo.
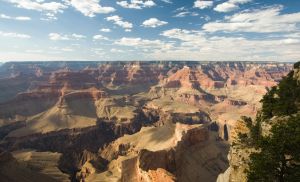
(126, 121)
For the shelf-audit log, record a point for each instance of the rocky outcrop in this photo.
(45, 163)
(236, 102)
(28, 104)
(168, 110)
(185, 153)
(46, 83)
(165, 159)
(85, 110)
(159, 175)
(13, 171)
(225, 75)
(75, 144)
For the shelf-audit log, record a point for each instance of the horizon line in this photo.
(24, 61)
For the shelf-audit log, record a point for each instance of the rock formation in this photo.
(112, 120)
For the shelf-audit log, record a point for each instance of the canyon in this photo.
(126, 121)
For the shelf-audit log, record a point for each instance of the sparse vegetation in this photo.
(277, 156)
(297, 65)
(281, 100)
(252, 138)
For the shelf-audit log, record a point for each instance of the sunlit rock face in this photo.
(111, 120)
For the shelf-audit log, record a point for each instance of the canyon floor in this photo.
(126, 121)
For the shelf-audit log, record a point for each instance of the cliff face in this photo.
(226, 75)
(261, 129)
(172, 152)
(13, 170)
(84, 110)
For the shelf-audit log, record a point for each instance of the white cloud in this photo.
(59, 49)
(105, 30)
(205, 17)
(117, 20)
(226, 7)
(167, 1)
(203, 4)
(240, 1)
(289, 41)
(293, 35)
(98, 51)
(14, 35)
(198, 45)
(113, 50)
(99, 37)
(140, 43)
(154, 22)
(183, 12)
(180, 9)
(263, 20)
(149, 3)
(230, 5)
(21, 18)
(86, 7)
(40, 5)
(280, 41)
(3, 16)
(188, 38)
(90, 7)
(57, 36)
(78, 36)
(34, 51)
(67, 49)
(49, 17)
(137, 4)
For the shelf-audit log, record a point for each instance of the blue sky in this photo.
(218, 30)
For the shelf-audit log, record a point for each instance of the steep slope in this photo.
(44, 162)
(225, 90)
(271, 138)
(181, 152)
(13, 171)
(83, 110)
(73, 110)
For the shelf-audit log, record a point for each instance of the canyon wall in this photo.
(110, 120)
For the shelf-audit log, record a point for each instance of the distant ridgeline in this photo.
(274, 136)
(283, 99)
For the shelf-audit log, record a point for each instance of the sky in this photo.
(114, 30)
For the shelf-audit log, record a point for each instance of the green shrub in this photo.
(297, 65)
